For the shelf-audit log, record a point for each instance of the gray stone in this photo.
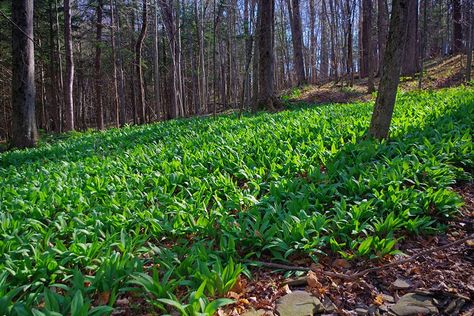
(298, 303)
(361, 311)
(414, 304)
(388, 298)
(260, 312)
(401, 284)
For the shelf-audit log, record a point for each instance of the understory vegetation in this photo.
(174, 211)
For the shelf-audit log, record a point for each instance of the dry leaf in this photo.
(342, 263)
(313, 280)
(240, 285)
(103, 298)
(233, 295)
(378, 300)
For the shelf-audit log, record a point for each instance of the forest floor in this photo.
(275, 211)
(439, 73)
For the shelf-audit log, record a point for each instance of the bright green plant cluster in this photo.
(172, 211)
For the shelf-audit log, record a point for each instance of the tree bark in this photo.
(469, 41)
(382, 26)
(139, 68)
(385, 102)
(368, 53)
(156, 62)
(98, 70)
(457, 26)
(312, 42)
(323, 68)
(266, 57)
(297, 40)
(24, 132)
(68, 87)
(116, 99)
(410, 63)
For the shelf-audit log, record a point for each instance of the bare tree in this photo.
(266, 98)
(139, 68)
(69, 82)
(385, 102)
(24, 132)
(98, 70)
(297, 40)
(457, 26)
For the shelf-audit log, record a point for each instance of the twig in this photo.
(354, 276)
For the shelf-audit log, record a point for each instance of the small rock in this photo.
(298, 303)
(401, 284)
(328, 305)
(361, 311)
(388, 298)
(414, 304)
(260, 312)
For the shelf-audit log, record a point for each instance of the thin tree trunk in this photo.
(116, 99)
(457, 26)
(368, 53)
(98, 70)
(121, 77)
(312, 41)
(469, 41)
(410, 63)
(68, 88)
(383, 109)
(323, 69)
(156, 62)
(297, 40)
(423, 43)
(138, 66)
(24, 132)
(266, 96)
(382, 26)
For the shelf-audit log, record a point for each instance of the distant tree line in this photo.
(102, 63)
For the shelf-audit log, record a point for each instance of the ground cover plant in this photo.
(172, 211)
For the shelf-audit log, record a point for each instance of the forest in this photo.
(236, 157)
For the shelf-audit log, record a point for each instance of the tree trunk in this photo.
(138, 66)
(368, 53)
(366, 37)
(24, 132)
(297, 40)
(121, 77)
(457, 26)
(116, 98)
(266, 57)
(383, 109)
(382, 26)
(68, 87)
(98, 71)
(410, 63)
(469, 41)
(312, 42)
(323, 69)
(350, 62)
(423, 43)
(156, 62)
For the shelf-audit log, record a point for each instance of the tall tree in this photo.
(368, 43)
(24, 132)
(139, 68)
(297, 40)
(312, 41)
(97, 64)
(266, 98)
(457, 26)
(69, 82)
(324, 66)
(470, 38)
(385, 102)
(382, 26)
(116, 98)
(411, 63)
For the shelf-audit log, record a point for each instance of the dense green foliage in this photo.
(176, 205)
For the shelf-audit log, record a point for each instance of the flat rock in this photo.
(299, 303)
(259, 312)
(401, 284)
(414, 304)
